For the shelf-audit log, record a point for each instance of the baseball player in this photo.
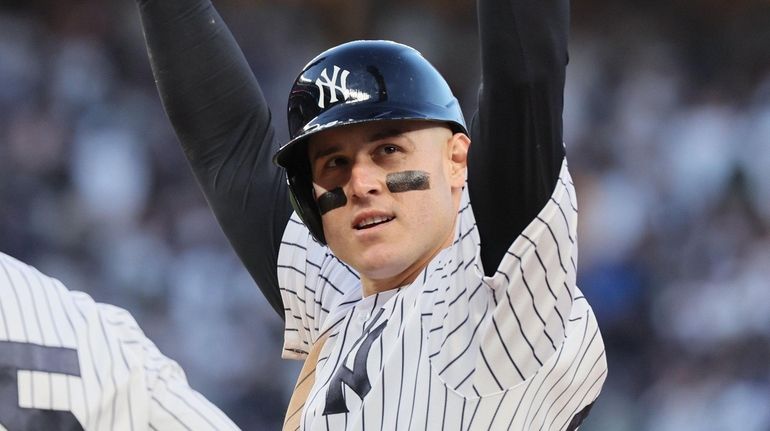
(412, 307)
(69, 363)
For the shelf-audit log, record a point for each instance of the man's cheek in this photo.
(331, 200)
(405, 181)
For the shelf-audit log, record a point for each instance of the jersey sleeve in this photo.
(543, 331)
(535, 292)
(224, 125)
(526, 330)
(317, 289)
(171, 403)
(517, 148)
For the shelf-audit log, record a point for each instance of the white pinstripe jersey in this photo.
(454, 350)
(68, 363)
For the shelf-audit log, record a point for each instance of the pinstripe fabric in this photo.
(520, 350)
(62, 353)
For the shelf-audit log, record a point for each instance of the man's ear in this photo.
(459, 144)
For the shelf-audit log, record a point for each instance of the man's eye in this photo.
(335, 162)
(389, 149)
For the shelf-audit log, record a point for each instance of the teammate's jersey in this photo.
(68, 363)
(454, 350)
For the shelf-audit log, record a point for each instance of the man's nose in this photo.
(365, 180)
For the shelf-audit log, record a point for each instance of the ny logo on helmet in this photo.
(331, 84)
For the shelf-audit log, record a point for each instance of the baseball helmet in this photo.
(352, 83)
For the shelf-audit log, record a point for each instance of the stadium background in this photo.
(667, 124)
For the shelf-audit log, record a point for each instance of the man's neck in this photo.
(405, 278)
(371, 287)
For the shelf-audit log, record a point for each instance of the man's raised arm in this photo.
(517, 147)
(223, 123)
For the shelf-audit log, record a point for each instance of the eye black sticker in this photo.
(332, 199)
(407, 181)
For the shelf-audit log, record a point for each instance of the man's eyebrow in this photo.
(325, 152)
(384, 134)
(377, 136)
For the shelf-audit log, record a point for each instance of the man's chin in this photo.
(378, 270)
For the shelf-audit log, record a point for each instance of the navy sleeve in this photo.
(224, 125)
(517, 147)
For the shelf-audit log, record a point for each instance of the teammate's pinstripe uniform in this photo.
(453, 350)
(68, 363)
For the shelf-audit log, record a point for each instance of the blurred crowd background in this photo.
(667, 127)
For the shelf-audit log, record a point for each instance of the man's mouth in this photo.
(372, 221)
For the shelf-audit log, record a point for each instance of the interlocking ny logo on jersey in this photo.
(331, 84)
(357, 378)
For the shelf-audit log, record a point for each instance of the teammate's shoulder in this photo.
(19, 274)
(21, 277)
(11, 262)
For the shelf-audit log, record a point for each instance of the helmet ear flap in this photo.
(303, 202)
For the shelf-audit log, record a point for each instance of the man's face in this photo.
(388, 193)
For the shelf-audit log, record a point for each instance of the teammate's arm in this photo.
(517, 148)
(223, 123)
(97, 362)
(170, 401)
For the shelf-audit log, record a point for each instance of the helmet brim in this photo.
(349, 114)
